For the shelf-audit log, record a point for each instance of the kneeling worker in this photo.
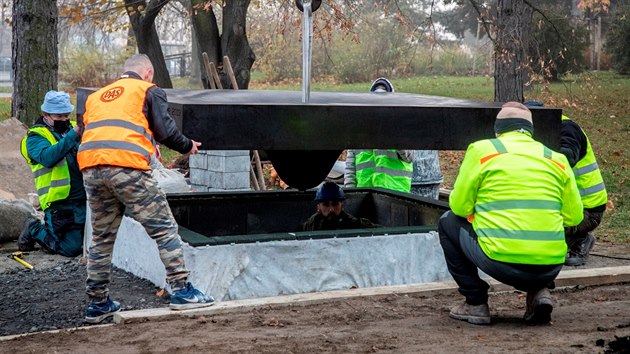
(509, 205)
(50, 148)
(330, 214)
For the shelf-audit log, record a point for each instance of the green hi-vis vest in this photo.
(391, 172)
(589, 178)
(383, 168)
(52, 184)
(518, 201)
(364, 162)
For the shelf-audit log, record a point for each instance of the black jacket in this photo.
(572, 142)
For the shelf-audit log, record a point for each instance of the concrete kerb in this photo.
(566, 278)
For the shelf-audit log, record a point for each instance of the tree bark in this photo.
(142, 18)
(232, 42)
(35, 61)
(205, 27)
(511, 69)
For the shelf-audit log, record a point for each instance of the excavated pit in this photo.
(249, 244)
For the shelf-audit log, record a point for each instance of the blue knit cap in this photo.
(57, 102)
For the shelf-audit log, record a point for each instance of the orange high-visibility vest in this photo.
(116, 130)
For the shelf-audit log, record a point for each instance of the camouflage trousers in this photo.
(112, 192)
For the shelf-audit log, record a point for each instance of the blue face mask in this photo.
(379, 90)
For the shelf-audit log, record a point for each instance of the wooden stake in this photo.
(206, 65)
(259, 170)
(215, 75)
(228, 68)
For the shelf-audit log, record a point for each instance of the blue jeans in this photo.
(464, 257)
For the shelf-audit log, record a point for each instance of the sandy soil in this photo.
(15, 175)
(587, 320)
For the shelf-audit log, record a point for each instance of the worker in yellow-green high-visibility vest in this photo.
(577, 148)
(389, 169)
(50, 149)
(511, 200)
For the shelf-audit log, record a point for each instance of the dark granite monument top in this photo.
(303, 140)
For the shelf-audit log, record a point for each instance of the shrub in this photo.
(88, 67)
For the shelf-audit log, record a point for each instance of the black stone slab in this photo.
(278, 120)
(304, 140)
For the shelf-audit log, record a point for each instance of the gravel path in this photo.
(52, 295)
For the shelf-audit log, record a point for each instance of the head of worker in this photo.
(514, 116)
(329, 198)
(56, 110)
(141, 65)
(381, 85)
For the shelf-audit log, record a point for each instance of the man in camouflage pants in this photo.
(122, 122)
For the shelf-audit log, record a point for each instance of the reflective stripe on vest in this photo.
(391, 172)
(116, 131)
(589, 178)
(52, 184)
(540, 236)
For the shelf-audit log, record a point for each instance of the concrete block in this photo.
(198, 176)
(227, 152)
(199, 160)
(228, 180)
(228, 163)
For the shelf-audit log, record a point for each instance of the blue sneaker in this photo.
(190, 298)
(97, 313)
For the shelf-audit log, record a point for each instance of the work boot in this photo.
(26, 242)
(539, 307)
(475, 314)
(189, 298)
(98, 312)
(578, 252)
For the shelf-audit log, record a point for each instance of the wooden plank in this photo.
(206, 65)
(228, 68)
(215, 75)
(569, 277)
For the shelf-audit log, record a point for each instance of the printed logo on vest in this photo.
(112, 94)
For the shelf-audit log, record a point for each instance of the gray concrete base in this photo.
(253, 270)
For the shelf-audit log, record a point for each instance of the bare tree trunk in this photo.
(511, 70)
(142, 19)
(234, 41)
(35, 62)
(205, 26)
(195, 64)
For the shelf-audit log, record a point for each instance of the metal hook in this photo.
(314, 5)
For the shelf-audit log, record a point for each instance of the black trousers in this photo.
(464, 257)
(576, 234)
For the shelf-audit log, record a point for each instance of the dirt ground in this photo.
(47, 305)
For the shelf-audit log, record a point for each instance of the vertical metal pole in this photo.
(307, 39)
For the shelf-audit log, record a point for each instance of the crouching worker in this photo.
(330, 214)
(50, 148)
(509, 205)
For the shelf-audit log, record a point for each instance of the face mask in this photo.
(379, 90)
(61, 126)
